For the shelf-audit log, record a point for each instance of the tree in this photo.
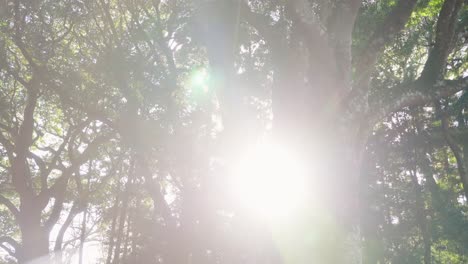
(155, 101)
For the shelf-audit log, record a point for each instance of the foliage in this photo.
(120, 119)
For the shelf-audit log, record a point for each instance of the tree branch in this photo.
(340, 35)
(315, 37)
(58, 189)
(445, 31)
(9, 205)
(42, 168)
(58, 205)
(17, 37)
(384, 33)
(457, 152)
(56, 156)
(11, 242)
(9, 147)
(23, 141)
(76, 208)
(260, 22)
(414, 94)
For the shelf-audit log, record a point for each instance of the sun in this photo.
(270, 181)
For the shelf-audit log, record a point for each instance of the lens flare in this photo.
(270, 181)
(199, 80)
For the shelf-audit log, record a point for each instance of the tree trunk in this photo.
(421, 218)
(332, 146)
(82, 236)
(35, 245)
(310, 77)
(123, 211)
(127, 237)
(34, 238)
(115, 213)
(134, 233)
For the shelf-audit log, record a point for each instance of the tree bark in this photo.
(115, 214)
(422, 218)
(82, 236)
(59, 239)
(34, 238)
(121, 220)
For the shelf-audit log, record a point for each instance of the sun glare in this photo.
(270, 181)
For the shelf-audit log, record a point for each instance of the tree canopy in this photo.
(234, 131)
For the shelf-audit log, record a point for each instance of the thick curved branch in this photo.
(414, 94)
